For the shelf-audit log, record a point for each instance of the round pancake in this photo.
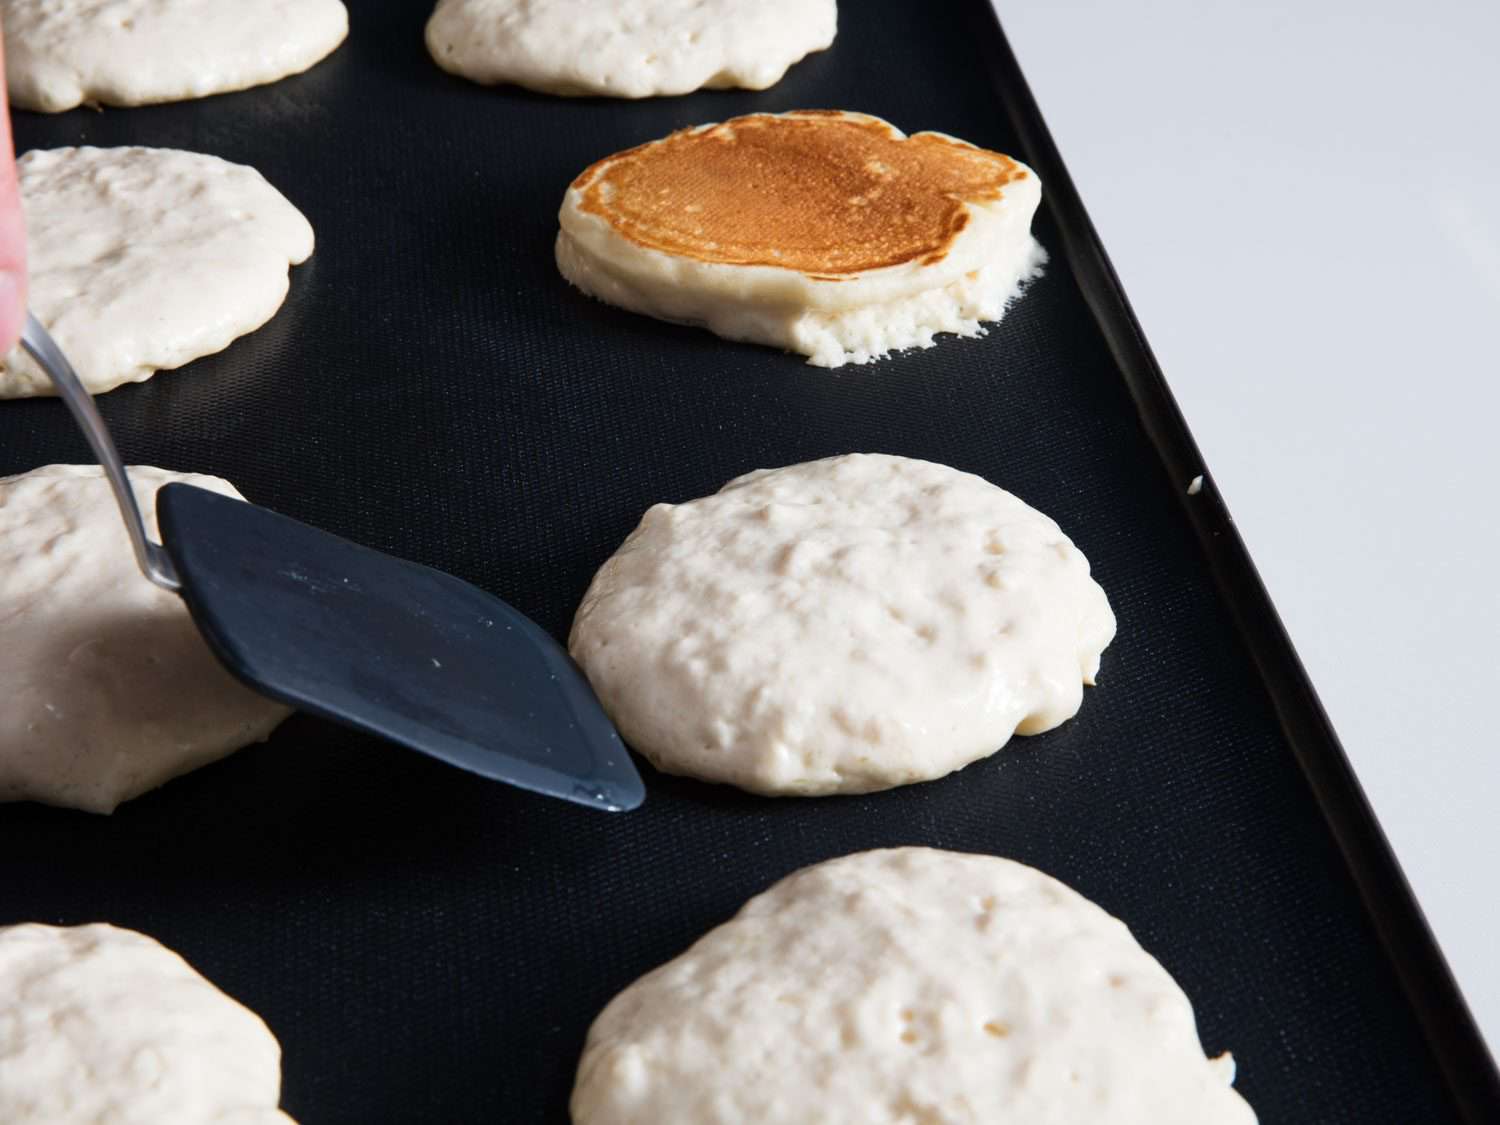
(822, 193)
(109, 689)
(636, 50)
(62, 53)
(840, 626)
(106, 1025)
(903, 986)
(824, 232)
(142, 259)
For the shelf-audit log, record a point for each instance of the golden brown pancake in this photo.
(828, 233)
(815, 190)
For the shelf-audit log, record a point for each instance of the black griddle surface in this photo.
(430, 947)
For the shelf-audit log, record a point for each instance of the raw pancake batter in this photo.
(627, 50)
(105, 1026)
(904, 986)
(109, 689)
(840, 626)
(63, 53)
(143, 259)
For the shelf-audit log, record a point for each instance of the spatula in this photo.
(383, 645)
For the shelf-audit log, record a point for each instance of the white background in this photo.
(1303, 202)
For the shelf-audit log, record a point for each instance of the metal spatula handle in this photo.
(152, 557)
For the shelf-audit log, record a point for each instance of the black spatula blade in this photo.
(391, 647)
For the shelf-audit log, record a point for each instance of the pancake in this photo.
(64, 53)
(635, 50)
(827, 233)
(106, 1026)
(902, 987)
(840, 626)
(142, 259)
(109, 689)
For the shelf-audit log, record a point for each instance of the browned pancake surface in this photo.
(812, 191)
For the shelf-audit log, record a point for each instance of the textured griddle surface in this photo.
(431, 947)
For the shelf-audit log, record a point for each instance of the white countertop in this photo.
(1302, 198)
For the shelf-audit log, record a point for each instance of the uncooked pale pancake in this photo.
(62, 53)
(827, 233)
(106, 1026)
(905, 986)
(109, 689)
(627, 50)
(142, 259)
(840, 626)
